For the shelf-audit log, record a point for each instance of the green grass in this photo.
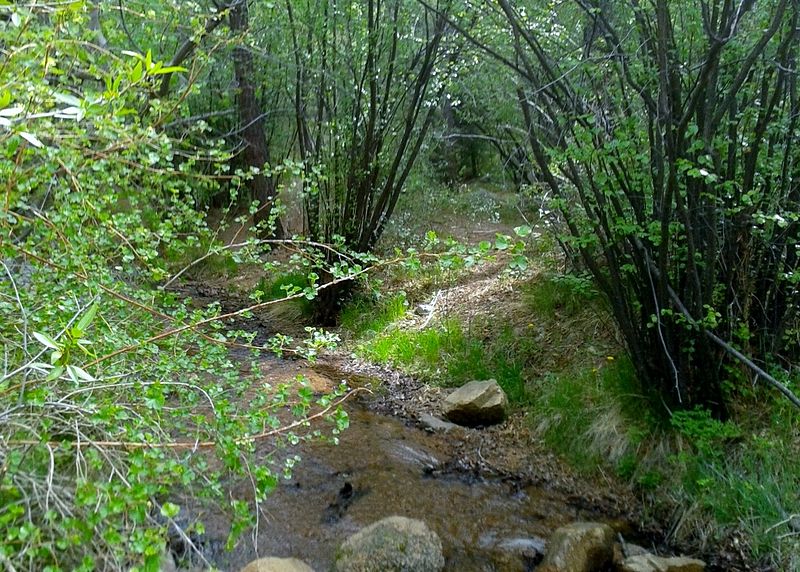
(277, 287)
(366, 317)
(718, 478)
(560, 293)
(444, 354)
(744, 476)
(592, 416)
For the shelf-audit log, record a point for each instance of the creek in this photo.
(386, 465)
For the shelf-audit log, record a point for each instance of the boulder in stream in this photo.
(579, 547)
(517, 554)
(434, 424)
(476, 403)
(277, 565)
(651, 563)
(394, 544)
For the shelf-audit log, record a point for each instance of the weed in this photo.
(581, 417)
(734, 476)
(742, 479)
(450, 357)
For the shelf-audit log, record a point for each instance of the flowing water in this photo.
(384, 467)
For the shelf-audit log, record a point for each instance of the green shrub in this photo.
(284, 285)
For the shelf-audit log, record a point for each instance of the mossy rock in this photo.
(394, 544)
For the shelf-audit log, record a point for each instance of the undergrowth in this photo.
(444, 353)
(283, 285)
(711, 481)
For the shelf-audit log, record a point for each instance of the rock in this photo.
(394, 544)
(517, 554)
(579, 547)
(277, 565)
(635, 550)
(476, 403)
(621, 552)
(529, 546)
(435, 424)
(651, 563)
(167, 563)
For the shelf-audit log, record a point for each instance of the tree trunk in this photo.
(251, 119)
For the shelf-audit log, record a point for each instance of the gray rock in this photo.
(277, 565)
(635, 550)
(651, 563)
(435, 424)
(394, 544)
(530, 546)
(517, 554)
(476, 403)
(579, 547)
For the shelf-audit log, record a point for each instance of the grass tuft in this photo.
(284, 284)
(367, 317)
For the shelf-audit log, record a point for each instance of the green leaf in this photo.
(170, 510)
(501, 242)
(523, 231)
(55, 374)
(519, 262)
(68, 99)
(31, 138)
(137, 72)
(46, 340)
(87, 318)
(79, 374)
(166, 70)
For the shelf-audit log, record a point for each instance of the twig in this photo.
(184, 445)
(786, 520)
(253, 243)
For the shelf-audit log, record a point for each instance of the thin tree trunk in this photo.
(256, 150)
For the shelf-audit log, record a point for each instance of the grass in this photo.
(449, 356)
(367, 317)
(709, 480)
(275, 288)
(557, 294)
(742, 475)
(582, 416)
(446, 353)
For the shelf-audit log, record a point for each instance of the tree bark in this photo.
(251, 119)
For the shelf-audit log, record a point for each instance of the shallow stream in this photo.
(384, 466)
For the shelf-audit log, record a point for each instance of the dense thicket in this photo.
(116, 395)
(665, 133)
